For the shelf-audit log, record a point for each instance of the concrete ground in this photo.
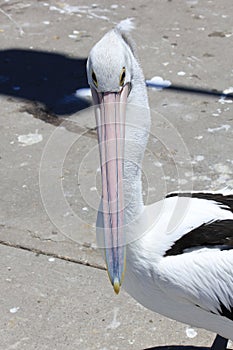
(55, 293)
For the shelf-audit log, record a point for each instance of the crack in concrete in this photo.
(51, 254)
(35, 235)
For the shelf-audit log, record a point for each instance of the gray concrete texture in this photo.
(55, 293)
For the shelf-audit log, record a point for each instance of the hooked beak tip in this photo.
(116, 285)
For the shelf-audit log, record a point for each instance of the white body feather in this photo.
(175, 285)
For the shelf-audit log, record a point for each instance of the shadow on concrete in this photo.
(175, 347)
(44, 77)
(49, 80)
(190, 90)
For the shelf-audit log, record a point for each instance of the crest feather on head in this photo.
(126, 25)
(124, 28)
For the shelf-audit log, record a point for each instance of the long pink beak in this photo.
(110, 112)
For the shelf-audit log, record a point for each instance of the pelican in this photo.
(175, 257)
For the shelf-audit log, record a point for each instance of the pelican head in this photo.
(110, 76)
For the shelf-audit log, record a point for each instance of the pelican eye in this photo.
(94, 79)
(122, 77)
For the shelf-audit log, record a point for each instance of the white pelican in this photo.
(175, 256)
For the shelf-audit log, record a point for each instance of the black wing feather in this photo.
(224, 201)
(224, 311)
(219, 232)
